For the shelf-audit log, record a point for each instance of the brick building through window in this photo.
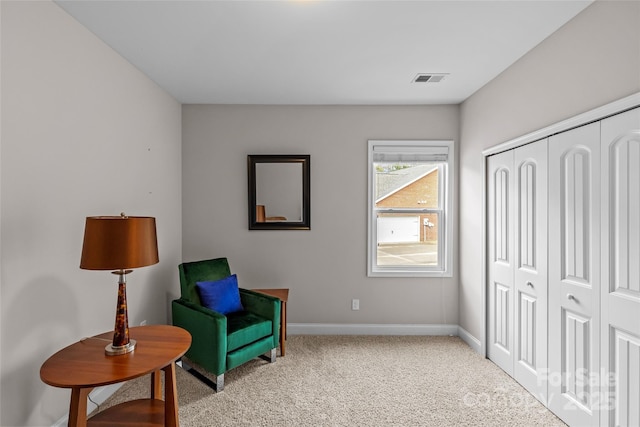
(411, 192)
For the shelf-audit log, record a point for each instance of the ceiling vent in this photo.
(429, 78)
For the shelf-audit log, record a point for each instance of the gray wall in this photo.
(592, 60)
(324, 267)
(83, 133)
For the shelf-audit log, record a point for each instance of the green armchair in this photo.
(223, 342)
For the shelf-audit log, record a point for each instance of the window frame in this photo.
(446, 174)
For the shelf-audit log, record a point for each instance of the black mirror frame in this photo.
(305, 160)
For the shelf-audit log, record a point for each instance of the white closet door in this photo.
(574, 274)
(620, 375)
(501, 260)
(530, 274)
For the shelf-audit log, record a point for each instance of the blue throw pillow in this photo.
(221, 296)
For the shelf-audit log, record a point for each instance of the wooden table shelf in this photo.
(135, 413)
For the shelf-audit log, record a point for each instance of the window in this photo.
(410, 194)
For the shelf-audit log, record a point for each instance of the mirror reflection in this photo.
(279, 192)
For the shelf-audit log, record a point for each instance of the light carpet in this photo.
(358, 381)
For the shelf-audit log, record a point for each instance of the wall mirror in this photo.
(279, 187)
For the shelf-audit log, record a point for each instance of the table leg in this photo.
(156, 385)
(283, 328)
(170, 396)
(78, 407)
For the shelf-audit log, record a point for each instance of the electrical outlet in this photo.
(355, 304)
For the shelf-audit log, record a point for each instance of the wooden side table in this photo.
(283, 295)
(84, 365)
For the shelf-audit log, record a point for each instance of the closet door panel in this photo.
(501, 260)
(621, 269)
(530, 274)
(574, 274)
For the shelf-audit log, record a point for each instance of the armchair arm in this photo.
(265, 306)
(208, 330)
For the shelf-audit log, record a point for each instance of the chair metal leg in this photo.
(217, 386)
(271, 356)
(219, 383)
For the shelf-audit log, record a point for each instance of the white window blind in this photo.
(408, 153)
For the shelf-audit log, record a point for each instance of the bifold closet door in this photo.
(501, 259)
(517, 225)
(620, 375)
(574, 274)
(530, 273)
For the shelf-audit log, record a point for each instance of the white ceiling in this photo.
(321, 52)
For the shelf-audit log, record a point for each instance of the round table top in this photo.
(85, 364)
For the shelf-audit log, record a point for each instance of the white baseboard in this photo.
(369, 329)
(471, 341)
(384, 329)
(99, 395)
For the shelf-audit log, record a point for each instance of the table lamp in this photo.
(119, 243)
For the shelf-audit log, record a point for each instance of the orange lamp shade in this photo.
(119, 243)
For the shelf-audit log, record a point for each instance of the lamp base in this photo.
(114, 350)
